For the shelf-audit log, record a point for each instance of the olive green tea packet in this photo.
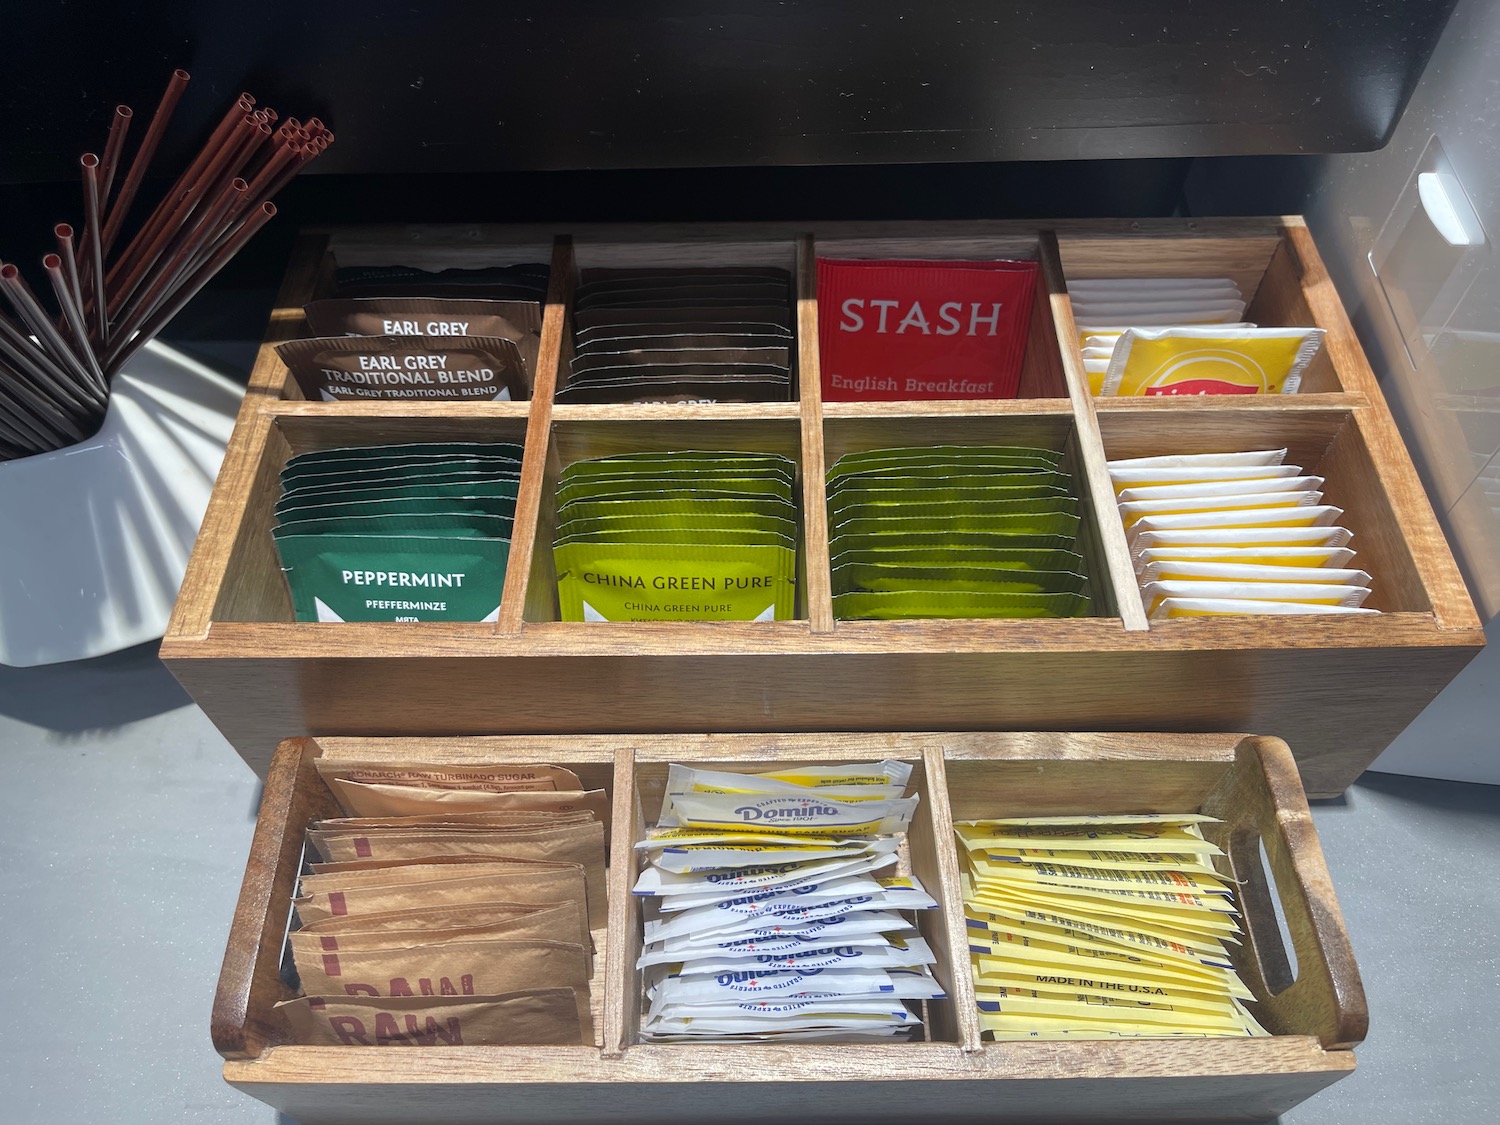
(995, 558)
(411, 449)
(950, 541)
(956, 513)
(767, 486)
(879, 577)
(468, 525)
(687, 460)
(1061, 523)
(686, 581)
(644, 525)
(905, 604)
(955, 456)
(940, 477)
(394, 578)
(890, 499)
(694, 510)
(686, 536)
(669, 494)
(463, 489)
(341, 506)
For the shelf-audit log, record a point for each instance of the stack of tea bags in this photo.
(954, 531)
(1225, 533)
(1101, 927)
(775, 913)
(1182, 336)
(681, 334)
(401, 334)
(452, 906)
(693, 535)
(398, 532)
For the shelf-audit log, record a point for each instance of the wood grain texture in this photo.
(1250, 781)
(1260, 802)
(244, 1023)
(1281, 302)
(535, 491)
(815, 585)
(1113, 575)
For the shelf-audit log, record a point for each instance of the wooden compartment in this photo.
(1249, 782)
(1338, 690)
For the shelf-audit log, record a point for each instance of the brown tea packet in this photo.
(371, 800)
(460, 968)
(456, 820)
(407, 368)
(566, 921)
(327, 901)
(438, 863)
(539, 1016)
(521, 777)
(518, 321)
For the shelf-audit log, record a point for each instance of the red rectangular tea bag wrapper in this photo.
(893, 330)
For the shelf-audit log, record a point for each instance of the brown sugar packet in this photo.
(437, 867)
(538, 1016)
(563, 921)
(458, 820)
(335, 901)
(471, 968)
(504, 778)
(407, 368)
(366, 799)
(518, 321)
(582, 844)
(568, 920)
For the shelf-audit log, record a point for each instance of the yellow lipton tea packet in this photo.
(1211, 361)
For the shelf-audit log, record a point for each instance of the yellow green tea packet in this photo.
(687, 580)
(878, 460)
(876, 577)
(889, 605)
(958, 514)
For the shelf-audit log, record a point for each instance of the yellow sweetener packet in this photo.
(1211, 361)
(1093, 858)
(1113, 835)
(1069, 912)
(1027, 969)
(887, 772)
(1203, 911)
(1105, 1007)
(1014, 1025)
(1045, 873)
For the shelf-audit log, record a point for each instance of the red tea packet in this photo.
(892, 330)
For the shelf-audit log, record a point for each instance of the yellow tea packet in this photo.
(1180, 570)
(1296, 558)
(1310, 593)
(1131, 512)
(1218, 360)
(1202, 490)
(1215, 607)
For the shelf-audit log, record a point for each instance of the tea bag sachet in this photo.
(1101, 926)
(1211, 538)
(776, 884)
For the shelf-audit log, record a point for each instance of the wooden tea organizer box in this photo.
(1337, 689)
(1315, 1012)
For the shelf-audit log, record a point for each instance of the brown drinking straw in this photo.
(119, 125)
(93, 243)
(143, 156)
(73, 316)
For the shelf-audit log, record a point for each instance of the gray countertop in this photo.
(125, 819)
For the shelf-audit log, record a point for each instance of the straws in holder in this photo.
(113, 293)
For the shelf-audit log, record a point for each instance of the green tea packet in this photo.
(890, 499)
(390, 475)
(1059, 523)
(464, 488)
(459, 449)
(294, 472)
(459, 525)
(954, 456)
(957, 514)
(946, 541)
(690, 512)
(889, 605)
(765, 485)
(341, 506)
(994, 580)
(683, 535)
(998, 558)
(394, 577)
(675, 581)
(687, 460)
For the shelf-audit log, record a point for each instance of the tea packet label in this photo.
(892, 330)
(517, 321)
(407, 368)
(542, 1017)
(645, 581)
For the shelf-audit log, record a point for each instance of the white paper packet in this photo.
(1308, 592)
(1294, 558)
(802, 814)
(777, 901)
(1092, 286)
(1213, 607)
(876, 955)
(769, 933)
(1209, 489)
(1149, 477)
(1131, 511)
(735, 881)
(1249, 537)
(719, 988)
(716, 857)
(712, 922)
(1172, 570)
(1201, 460)
(1171, 312)
(1316, 515)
